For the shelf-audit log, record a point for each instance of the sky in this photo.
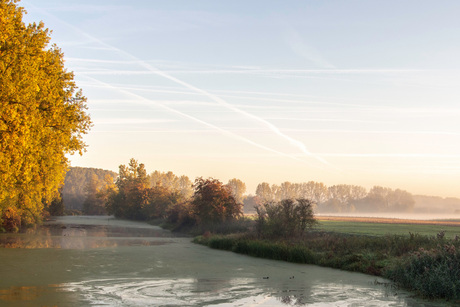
(340, 92)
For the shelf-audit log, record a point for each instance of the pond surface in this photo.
(100, 261)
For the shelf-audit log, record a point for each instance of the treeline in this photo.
(84, 188)
(165, 197)
(340, 198)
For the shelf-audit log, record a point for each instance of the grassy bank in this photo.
(381, 226)
(428, 265)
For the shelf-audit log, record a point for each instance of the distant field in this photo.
(383, 226)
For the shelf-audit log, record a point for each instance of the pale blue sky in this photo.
(356, 92)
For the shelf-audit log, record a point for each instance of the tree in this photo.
(94, 203)
(213, 202)
(237, 188)
(379, 198)
(320, 192)
(402, 201)
(42, 115)
(132, 195)
(386, 199)
(343, 197)
(264, 192)
(76, 182)
(173, 183)
(287, 190)
(160, 202)
(185, 187)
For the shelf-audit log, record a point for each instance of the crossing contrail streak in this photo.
(223, 131)
(301, 146)
(222, 102)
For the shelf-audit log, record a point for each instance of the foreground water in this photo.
(100, 261)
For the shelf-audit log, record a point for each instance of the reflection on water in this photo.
(80, 261)
(21, 293)
(75, 236)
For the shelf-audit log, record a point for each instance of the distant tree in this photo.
(343, 197)
(76, 182)
(213, 202)
(382, 199)
(320, 193)
(436, 204)
(167, 180)
(94, 203)
(237, 188)
(379, 198)
(42, 115)
(173, 183)
(307, 190)
(250, 203)
(185, 187)
(402, 201)
(287, 190)
(340, 192)
(332, 205)
(264, 192)
(275, 192)
(106, 191)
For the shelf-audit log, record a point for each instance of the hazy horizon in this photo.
(360, 93)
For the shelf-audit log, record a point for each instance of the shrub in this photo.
(180, 216)
(285, 219)
(432, 273)
(213, 202)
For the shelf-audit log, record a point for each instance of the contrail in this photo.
(215, 98)
(389, 155)
(222, 102)
(223, 131)
(354, 107)
(402, 132)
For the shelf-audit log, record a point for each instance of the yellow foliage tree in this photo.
(42, 115)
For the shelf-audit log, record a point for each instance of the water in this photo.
(98, 261)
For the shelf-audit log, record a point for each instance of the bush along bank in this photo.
(429, 266)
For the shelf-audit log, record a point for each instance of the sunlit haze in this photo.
(352, 92)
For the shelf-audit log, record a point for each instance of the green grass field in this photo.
(380, 229)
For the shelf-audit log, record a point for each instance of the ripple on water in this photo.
(161, 292)
(228, 292)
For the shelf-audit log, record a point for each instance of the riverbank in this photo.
(427, 265)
